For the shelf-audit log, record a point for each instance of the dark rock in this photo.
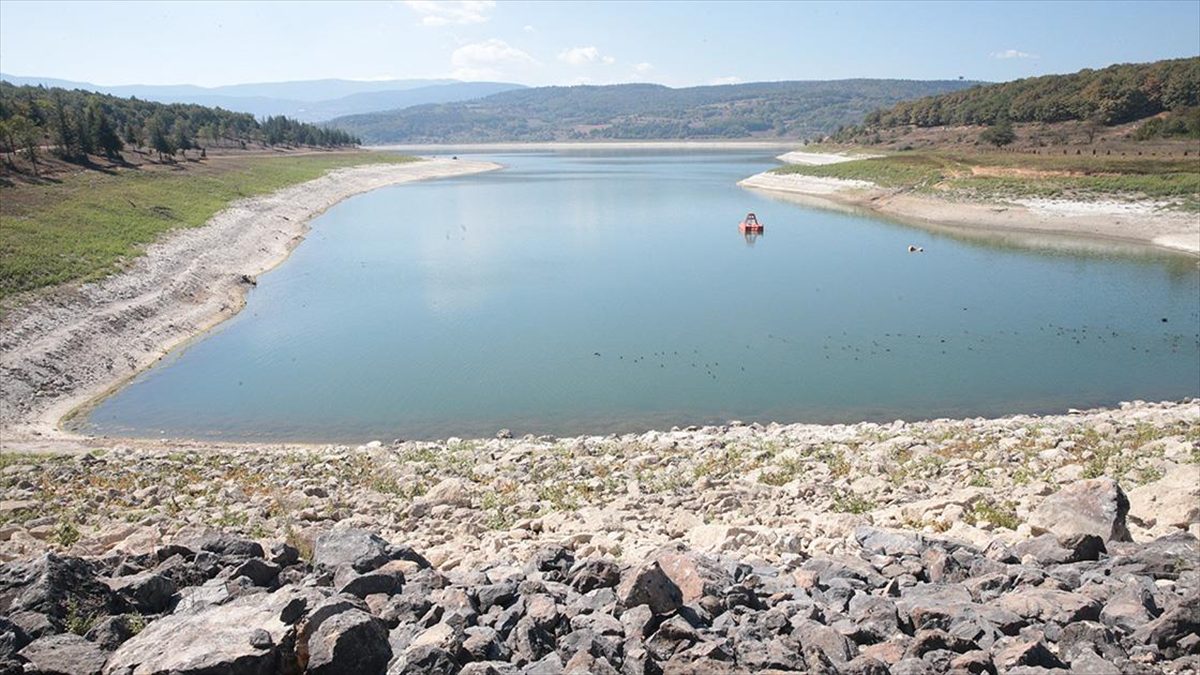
(696, 575)
(284, 554)
(426, 660)
(673, 636)
(926, 641)
(66, 654)
(1084, 636)
(1169, 630)
(382, 580)
(836, 647)
(352, 642)
(489, 668)
(864, 665)
(1050, 605)
(553, 563)
(1130, 608)
(258, 571)
(146, 593)
(229, 546)
(592, 573)
(502, 594)
(1088, 662)
(973, 662)
(112, 631)
(40, 593)
(647, 584)
(550, 664)
(1018, 652)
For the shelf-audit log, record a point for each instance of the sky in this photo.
(563, 43)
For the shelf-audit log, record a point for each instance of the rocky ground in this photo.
(1004, 545)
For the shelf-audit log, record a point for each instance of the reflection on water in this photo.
(603, 291)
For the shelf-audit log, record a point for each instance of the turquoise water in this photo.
(609, 292)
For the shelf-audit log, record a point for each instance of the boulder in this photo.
(146, 593)
(66, 654)
(1173, 501)
(228, 545)
(46, 589)
(592, 573)
(361, 550)
(695, 574)
(349, 643)
(1097, 506)
(647, 584)
(222, 638)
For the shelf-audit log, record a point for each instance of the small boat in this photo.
(750, 224)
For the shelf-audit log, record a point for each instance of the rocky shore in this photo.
(1019, 544)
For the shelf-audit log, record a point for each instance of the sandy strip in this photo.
(1142, 223)
(819, 158)
(76, 344)
(427, 149)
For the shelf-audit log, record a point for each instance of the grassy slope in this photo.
(998, 175)
(90, 223)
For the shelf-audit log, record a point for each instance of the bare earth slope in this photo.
(73, 344)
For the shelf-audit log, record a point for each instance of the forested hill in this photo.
(77, 123)
(644, 111)
(1114, 95)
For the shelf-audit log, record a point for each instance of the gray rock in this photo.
(66, 654)
(258, 571)
(425, 660)
(1130, 608)
(1168, 631)
(647, 584)
(592, 573)
(1017, 652)
(40, 593)
(347, 580)
(111, 632)
(146, 593)
(229, 545)
(349, 643)
(835, 646)
(211, 639)
(1097, 506)
(973, 662)
(361, 550)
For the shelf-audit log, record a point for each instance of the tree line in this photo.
(1106, 97)
(76, 123)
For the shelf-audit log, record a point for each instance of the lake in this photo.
(600, 291)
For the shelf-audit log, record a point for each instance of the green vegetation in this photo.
(644, 112)
(89, 224)
(1000, 514)
(1114, 95)
(79, 123)
(996, 175)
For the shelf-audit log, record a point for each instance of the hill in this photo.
(75, 125)
(1168, 91)
(304, 100)
(644, 111)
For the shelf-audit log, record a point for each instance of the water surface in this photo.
(594, 292)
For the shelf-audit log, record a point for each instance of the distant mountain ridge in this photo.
(799, 109)
(308, 100)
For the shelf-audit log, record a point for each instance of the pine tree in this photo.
(64, 131)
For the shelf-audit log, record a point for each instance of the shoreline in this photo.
(74, 345)
(1137, 222)
(429, 148)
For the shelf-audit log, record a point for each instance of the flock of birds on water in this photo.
(916, 346)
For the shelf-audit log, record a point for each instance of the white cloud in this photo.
(529, 29)
(728, 79)
(1013, 54)
(442, 13)
(486, 59)
(582, 56)
(643, 67)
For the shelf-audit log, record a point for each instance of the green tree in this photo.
(27, 136)
(180, 138)
(103, 133)
(999, 134)
(159, 141)
(65, 136)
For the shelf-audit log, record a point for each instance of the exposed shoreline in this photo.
(587, 145)
(1137, 222)
(76, 344)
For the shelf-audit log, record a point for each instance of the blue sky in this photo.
(538, 43)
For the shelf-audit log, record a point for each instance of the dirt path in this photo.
(75, 344)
